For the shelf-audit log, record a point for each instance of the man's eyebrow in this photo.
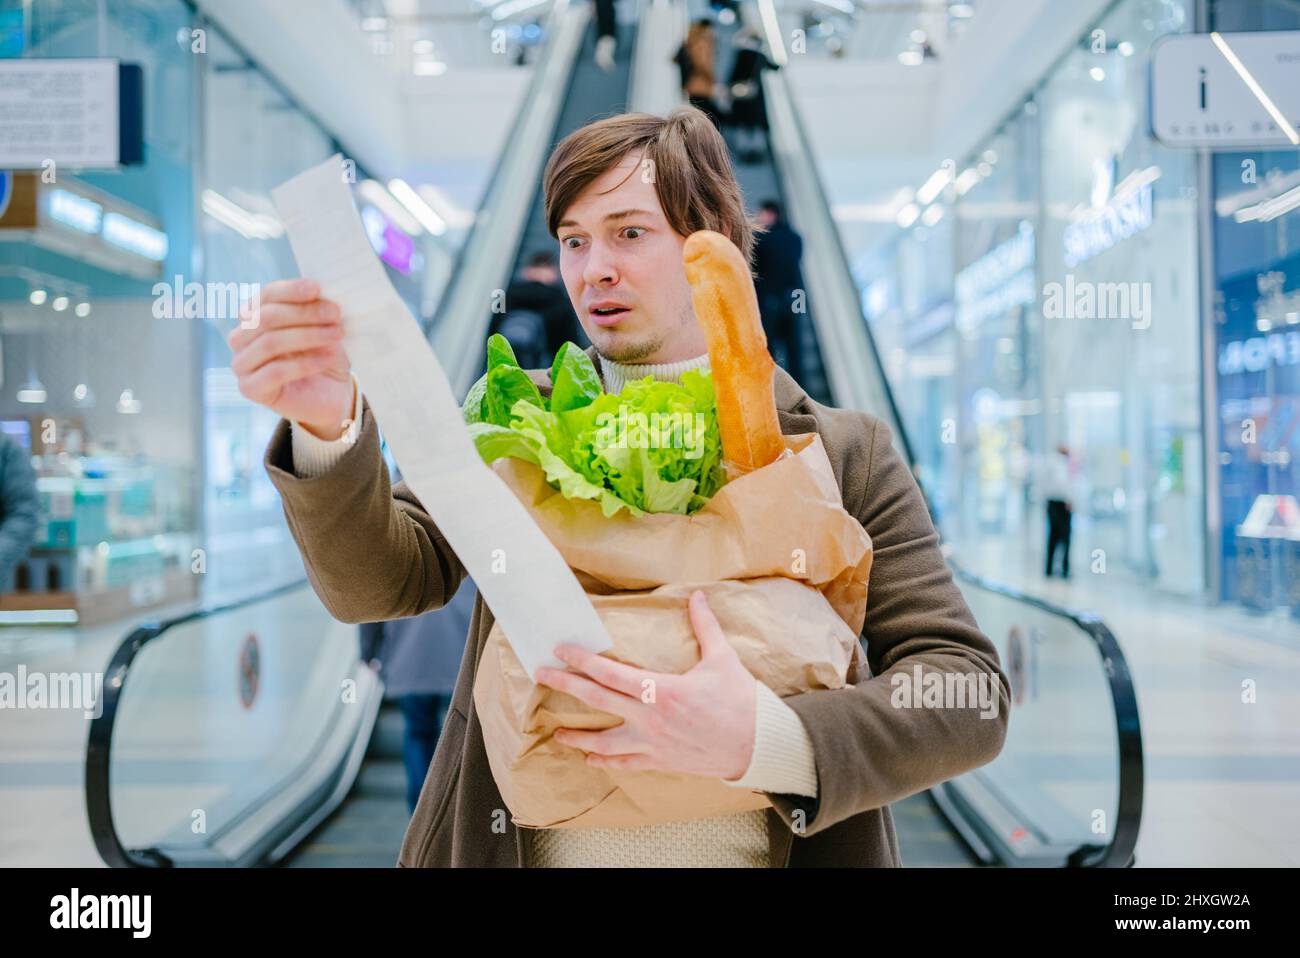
(609, 217)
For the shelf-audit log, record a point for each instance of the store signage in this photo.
(1229, 89)
(1257, 353)
(1112, 219)
(83, 213)
(64, 111)
(1001, 279)
(135, 237)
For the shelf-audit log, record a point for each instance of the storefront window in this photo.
(104, 396)
(1120, 307)
(1257, 355)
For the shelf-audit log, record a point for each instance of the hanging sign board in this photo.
(1230, 90)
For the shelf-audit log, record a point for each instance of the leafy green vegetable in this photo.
(655, 447)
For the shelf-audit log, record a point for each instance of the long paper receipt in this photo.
(524, 580)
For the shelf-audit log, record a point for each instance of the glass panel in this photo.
(1059, 768)
(220, 714)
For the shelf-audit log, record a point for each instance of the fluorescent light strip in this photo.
(375, 193)
(418, 208)
(247, 224)
(930, 189)
(1255, 88)
(1270, 210)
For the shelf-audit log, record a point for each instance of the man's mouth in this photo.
(607, 314)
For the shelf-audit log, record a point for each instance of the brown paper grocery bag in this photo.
(784, 568)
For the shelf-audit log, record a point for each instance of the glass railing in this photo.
(226, 735)
(1066, 789)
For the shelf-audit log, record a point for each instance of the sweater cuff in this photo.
(313, 456)
(783, 760)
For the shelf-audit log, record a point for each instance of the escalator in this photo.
(274, 747)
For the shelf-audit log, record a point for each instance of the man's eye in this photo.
(637, 229)
(570, 241)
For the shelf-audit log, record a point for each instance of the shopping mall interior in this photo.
(1032, 245)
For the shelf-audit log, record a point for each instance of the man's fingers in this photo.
(290, 291)
(707, 629)
(616, 675)
(264, 385)
(615, 741)
(270, 316)
(276, 343)
(588, 692)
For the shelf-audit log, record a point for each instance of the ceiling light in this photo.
(417, 207)
(1125, 48)
(429, 68)
(961, 11)
(969, 177)
(911, 58)
(931, 188)
(60, 303)
(375, 193)
(38, 297)
(82, 310)
(1097, 73)
(917, 36)
(907, 215)
(932, 214)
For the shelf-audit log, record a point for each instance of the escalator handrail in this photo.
(462, 315)
(99, 804)
(1128, 817)
(813, 209)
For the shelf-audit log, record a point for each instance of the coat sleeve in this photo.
(868, 752)
(370, 549)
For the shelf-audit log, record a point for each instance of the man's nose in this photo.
(600, 268)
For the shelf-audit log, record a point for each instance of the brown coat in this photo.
(372, 553)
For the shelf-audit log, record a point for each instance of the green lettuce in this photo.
(655, 447)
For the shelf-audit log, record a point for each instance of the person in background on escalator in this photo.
(539, 318)
(606, 34)
(748, 107)
(696, 58)
(779, 284)
(418, 659)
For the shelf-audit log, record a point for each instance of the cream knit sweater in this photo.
(782, 760)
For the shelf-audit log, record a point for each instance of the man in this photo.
(777, 253)
(829, 761)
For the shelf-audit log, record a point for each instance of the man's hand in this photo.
(700, 723)
(288, 357)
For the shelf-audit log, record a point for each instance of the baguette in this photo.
(726, 306)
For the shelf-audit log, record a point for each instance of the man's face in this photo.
(622, 266)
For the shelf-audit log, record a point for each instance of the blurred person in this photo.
(778, 251)
(418, 659)
(1060, 508)
(606, 34)
(748, 106)
(696, 58)
(828, 761)
(539, 318)
(20, 505)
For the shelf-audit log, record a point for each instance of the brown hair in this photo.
(690, 164)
